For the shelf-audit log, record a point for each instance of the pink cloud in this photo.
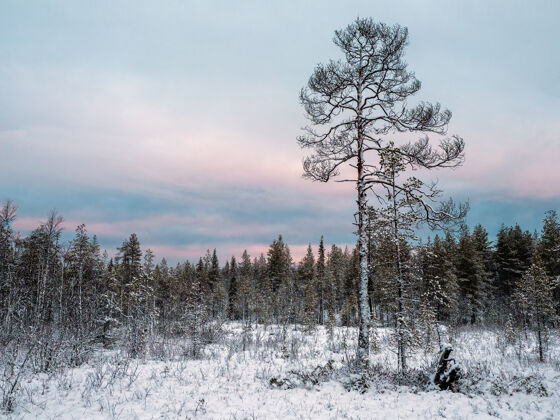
(507, 163)
(170, 252)
(117, 132)
(226, 251)
(206, 225)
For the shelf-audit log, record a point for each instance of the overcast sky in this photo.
(177, 120)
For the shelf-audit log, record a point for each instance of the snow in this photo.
(229, 383)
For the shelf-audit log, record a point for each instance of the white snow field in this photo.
(286, 373)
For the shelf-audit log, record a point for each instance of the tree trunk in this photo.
(80, 309)
(448, 372)
(539, 338)
(401, 333)
(363, 301)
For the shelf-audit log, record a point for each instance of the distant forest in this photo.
(74, 294)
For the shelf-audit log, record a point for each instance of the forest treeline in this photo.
(75, 292)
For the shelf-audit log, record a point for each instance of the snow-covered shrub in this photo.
(304, 379)
(12, 364)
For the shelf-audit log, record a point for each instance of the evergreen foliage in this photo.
(352, 105)
(548, 248)
(308, 282)
(417, 289)
(533, 296)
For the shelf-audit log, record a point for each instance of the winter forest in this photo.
(423, 316)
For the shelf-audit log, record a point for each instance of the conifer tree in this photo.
(215, 285)
(352, 105)
(514, 249)
(82, 274)
(349, 307)
(132, 292)
(485, 253)
(163, 293)
(196, 314)
(129, 258)
(213, 271)
(281, 280)
(549, 243)
(322, 284)
(246, 299)
(394, 283)
(278, 263)
(440, 288)
(111, 313)
(471, 276)
(404, 205)
(202, 290)
(220, 300)
(329, 299)
(484, 247)
(183, 278)
(265, 299)
(148, 290)
(337, 263)
(549, 250)
(533, 296)
(307, 280)
(233, 300)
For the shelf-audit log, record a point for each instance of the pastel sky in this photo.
(177, 120)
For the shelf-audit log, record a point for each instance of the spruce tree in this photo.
(281, 280)
(265, 299)
(233, 301)
(215, 285)
(214, 275)
(133, 293)
(488, 270)
(404, 205)
(148, 290)
(163, 293)
(129, 258)
(246, 299)
(472, 278)
(336, 266)
(307, 282)
(548, 248)
(349, 309)
(196, 313)
(440, 288)
(514, 250)
(533, 296)
(82, 275)
(111, 311)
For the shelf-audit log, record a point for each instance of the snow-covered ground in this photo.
(287, 374)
